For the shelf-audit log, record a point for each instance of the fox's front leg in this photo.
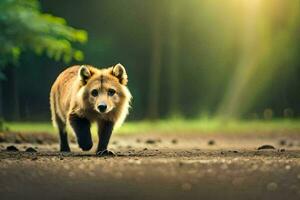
(105, 129)
(82, 129)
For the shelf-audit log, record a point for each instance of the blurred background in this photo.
(233, 59)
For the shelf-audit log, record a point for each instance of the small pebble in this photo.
(2, 138)
(290, 144)
(211, 142)
(282, 142)
(150, 141)
(39, 141)
(34, 158)
(114, 142)
(12, 148)
(18, 140)
(174, 141)
(145, 149)
(266, 146)
(30, 149)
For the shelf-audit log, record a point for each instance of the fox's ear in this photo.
(119, 71)
(84, 73)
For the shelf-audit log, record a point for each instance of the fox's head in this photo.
(103, 90)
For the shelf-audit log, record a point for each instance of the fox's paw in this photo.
(106, 153)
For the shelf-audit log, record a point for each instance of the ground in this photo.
(154, 166)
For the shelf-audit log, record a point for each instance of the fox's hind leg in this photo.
(63, 135)
(59, 123)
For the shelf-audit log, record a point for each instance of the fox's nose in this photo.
(102, 107)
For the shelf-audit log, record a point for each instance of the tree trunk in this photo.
(173, 66)
(11, 109)
(155, 69)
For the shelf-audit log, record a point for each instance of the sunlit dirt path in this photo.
(157, 167)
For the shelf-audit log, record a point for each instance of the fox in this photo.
(84, 94)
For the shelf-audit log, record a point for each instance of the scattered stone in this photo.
(282, 150)
(282, 142)
(211, 142)
(30, 149)
(272, 186)
(235, 151)
(174, 141)
(34, 158)
(39, 140)
(266, 146)
(180, 164)
(2, 138)
(222, 152)
(145, 149)
(114, 142)
(18, 139)
(150, 141)
(61, 158)
(288, 167)
(12, 148)
(290, 144)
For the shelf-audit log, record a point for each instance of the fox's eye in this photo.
(94, 93)
(111, 92)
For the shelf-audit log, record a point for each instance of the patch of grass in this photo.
(180, 126)
(30, 127)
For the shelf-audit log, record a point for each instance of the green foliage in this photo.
(24, 27)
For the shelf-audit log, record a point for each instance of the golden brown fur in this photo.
(71, 94)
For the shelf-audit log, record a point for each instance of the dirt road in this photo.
(185, 166)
